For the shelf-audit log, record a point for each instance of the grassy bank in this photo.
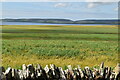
(61, 45)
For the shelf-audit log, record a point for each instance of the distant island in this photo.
(64, 21)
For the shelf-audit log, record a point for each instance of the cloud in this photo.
(2, 0)
(95, 4)
(101, 0)
(61, 5)
(116, 9)
(91, 5)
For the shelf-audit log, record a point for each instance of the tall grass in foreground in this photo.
(60, 45)
(59, 52)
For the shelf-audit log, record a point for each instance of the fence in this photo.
(53, 72)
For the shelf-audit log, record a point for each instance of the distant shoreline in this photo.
(64, 21)
(34, 23)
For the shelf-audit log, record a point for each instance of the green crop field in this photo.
(60, 45)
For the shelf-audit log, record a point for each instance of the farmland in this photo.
(60, 45)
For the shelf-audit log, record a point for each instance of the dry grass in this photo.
(24, 27)
(18, 60)
(52, 26)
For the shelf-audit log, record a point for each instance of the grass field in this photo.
(60, 45)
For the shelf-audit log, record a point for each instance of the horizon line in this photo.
(66, 18)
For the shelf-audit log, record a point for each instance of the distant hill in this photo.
(97, 21)
(64, 21)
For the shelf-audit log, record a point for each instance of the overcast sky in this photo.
(66, 10)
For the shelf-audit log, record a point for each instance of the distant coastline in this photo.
(64, 21)
(33, 23)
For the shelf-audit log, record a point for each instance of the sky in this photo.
(60, 10)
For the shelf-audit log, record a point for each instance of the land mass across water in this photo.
(65, 21)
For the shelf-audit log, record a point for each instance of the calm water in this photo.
(30, 23)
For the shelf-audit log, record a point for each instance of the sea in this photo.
(32, 23)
